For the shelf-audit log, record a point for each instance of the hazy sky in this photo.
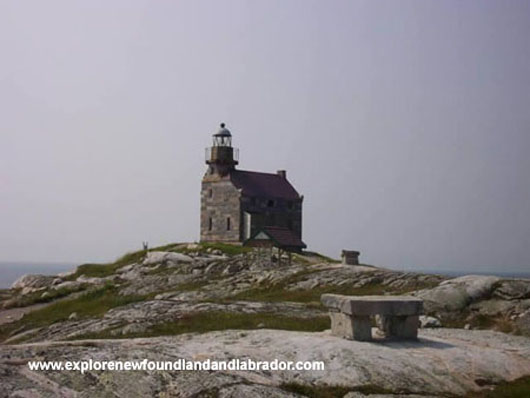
(405, 124)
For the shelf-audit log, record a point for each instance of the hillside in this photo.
(220, 290)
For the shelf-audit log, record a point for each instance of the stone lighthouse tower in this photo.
(237, 205)
(222, 157)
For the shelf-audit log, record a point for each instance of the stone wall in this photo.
(220, 201)
(282, 213)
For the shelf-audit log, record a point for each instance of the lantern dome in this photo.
(223, 131)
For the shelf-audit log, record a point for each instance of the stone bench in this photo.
(351, 316)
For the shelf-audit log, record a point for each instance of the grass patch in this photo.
(161, 270)
(460, 318)
(320, 256)
(300, 259)
(170, 247)
(189, 286)
(519, 388)
(53, 294)
(279, 291)
(316, 391)
(225, 248)
(104, 270)
(93, 303)
(453, 319)
(481, 321)
(211, 321)
(107, 269)
(330, 391)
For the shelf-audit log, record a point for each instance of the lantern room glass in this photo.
(222, 140)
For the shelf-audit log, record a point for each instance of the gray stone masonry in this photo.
(351, 316)
(350, 257)
(220, 201)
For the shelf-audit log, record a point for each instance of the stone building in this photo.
(238, 205)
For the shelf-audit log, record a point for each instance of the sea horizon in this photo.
(10, 271)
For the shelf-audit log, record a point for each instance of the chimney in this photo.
(282, 173)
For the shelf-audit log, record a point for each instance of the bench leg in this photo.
(362, 328)
(352, 328)
(405, 327)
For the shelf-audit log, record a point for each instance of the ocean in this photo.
(456, 273)
(11, 271)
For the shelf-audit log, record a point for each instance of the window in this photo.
(210, 193)
(210, 224)
(290, 204)
(270, 203)
(228, 223)
(290, 224)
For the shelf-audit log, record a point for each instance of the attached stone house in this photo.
(236, 205)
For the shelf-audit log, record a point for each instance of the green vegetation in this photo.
(460, 318)
(37, 297)
(311, 296)
(189, 286)
(519, 388)
(318, 391)
(210, 321)
(226, 248)
(481, 321)
(279, 292)
(107, 269)
(320, 256)
(162, 269)
(103, 270)
(170, 247)
(300, 259)
(93, 303)
(330, 391)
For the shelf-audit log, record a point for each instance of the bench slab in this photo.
(351, 316)
(373, 305)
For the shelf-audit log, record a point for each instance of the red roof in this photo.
(263, 184)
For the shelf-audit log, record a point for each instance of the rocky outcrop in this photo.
(443, 362)
(512, 289)
(167, 289)
(429, 322)
(480, 301)
(456, 294)
(139, 317)
(166, 257)
(183, 283)
(35, 282)
(522, 321)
